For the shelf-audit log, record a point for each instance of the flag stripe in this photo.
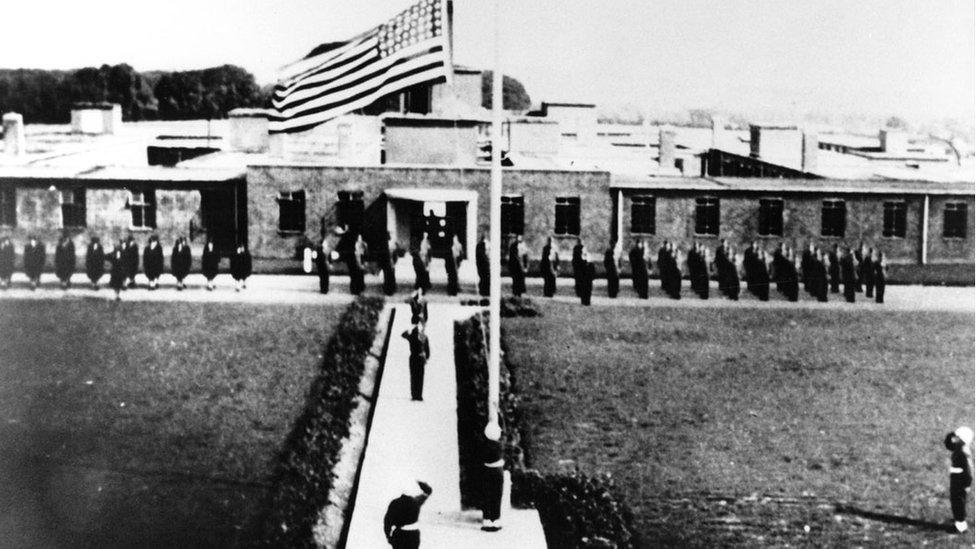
(307, 64)
(349, 81)
(333, 97)
(310, 77)
(337, 78)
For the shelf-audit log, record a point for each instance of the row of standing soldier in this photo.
(123, 261)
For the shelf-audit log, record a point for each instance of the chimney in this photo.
(755, 136)
(811, 147)
(666, 149)
(13, 134)
(249, 130)
(718, 131)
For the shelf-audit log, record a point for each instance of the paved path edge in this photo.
(332, 526)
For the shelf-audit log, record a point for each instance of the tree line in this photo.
(46, 96)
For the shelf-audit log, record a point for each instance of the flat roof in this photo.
(546, 104)
(773, 185)
(148, 174)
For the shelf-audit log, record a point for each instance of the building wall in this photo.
(950, 250)
(439, 145)
(350, 139)
(537, 137)
(321, 184)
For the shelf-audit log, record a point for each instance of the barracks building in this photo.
(417, 162)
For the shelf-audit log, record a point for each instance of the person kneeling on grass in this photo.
(960, 474)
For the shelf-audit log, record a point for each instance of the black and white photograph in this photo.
(463, 274)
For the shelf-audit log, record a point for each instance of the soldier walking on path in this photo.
(517, 264)
(483, 266)
(400, 524)
(418, 307)
(549, 268)
(180, 260)
(6, 262)
(64, 260)
(421, 275)
(152, 261)
(493, 457)
(419, 354)
(34, 258)
(210, 263)
(611, 264)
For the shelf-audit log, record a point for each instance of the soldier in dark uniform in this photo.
(663, 273)
(721, 265)
(241, 267)
(117, 271)
(419, 354)
(424, 249)
(323, 256)
(400, 524)
(577, 265)
(95, 261)
(833, 271)
(6, 262)
(731, 286)
(452, 262)
(493, 458)
(807, 266)
(749, 268)
(960, 474)
(34, 258)
(421, 276)
(701, 255)
(354, 264)
(867, 273)
(180, 261)
(791, 275)
(517, 264)
(587, 274)
(848, 274)
(64, 260)
(549, 268)
(762, 275)
(152, 261)
(210, 263)
(611, 265)
(418, 307)
(483, 266)
(131, 260)
(387, 260)
(638, 269)
(860, 257)
(880, 278)
(821, 279)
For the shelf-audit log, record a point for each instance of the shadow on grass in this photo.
(891, 519)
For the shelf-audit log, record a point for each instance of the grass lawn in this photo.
(146, 424)
(748, 426)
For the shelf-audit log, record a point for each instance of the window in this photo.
(8, 206)
(833, 218)
(350, 210)
(417, 99)
(954, 220)
(513, 214)
(142, 204)
(73, 208)
(568, 215)
(706, 216)
(770, 217)
(291, 211)
(642, 214)
(895, 214)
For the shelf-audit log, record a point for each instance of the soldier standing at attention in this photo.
(323, 255)
(821, 279)
(210, 263)
(483, 266)
(418, 307)
(452, 262)
(860, 256)
(833, 270)
(64, 260)
(867, 273)
(587, 274)
(419, 354)
(421, 276)
(117, 277)
(880, 277)
(152, 261)
(516, 266)
(848, 274)
(577, 265)
(180, 260)
(354, 264)
(611, 264)
(549, 268)
(6, 262)
(493, 457)
(131, 259)
(387, 259)
(400, 524)
(638, 269)
(241, 266)
(959, 442)
(34, 258)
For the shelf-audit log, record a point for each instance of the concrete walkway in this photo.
(418, 440)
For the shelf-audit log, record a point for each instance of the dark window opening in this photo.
(73, 208)
(567, 215)
(770, 217)
(642, 215)
(954, 220)
(707, 216)
(513, 214)
(142, 206)
(8, 206)
(291, 211)
(895, 219)
(833, 218)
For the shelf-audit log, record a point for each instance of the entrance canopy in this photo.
(432, 195)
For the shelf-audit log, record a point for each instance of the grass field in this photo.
(753, 427)
(146, 424)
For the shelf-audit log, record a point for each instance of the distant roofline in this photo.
(773, 186)
(547, 104)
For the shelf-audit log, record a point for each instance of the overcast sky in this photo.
(912, 58)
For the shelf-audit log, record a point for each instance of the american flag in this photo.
(337, 78)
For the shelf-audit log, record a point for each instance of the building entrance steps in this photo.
(418, 440)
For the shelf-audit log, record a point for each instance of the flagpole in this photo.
(494, 307)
